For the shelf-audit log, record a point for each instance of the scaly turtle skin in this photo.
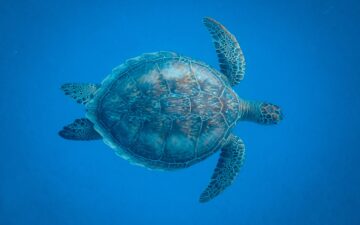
(166, 111)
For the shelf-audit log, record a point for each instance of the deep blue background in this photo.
(302, 54)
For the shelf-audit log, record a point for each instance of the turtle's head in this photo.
(260, 112)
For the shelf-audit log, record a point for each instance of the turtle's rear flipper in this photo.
(81, 93)
(80, 130)
(228, 166)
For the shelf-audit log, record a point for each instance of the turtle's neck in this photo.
(248, 110)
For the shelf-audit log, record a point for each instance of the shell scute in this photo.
(179, 148)
(179, 77)
(152, 138)
(175, 106)
(126, 130)
(153, 84)
(209, 136)
(207, 80)
(230, 105)
(205, 105)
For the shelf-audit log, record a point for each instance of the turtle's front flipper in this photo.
(231, 58)
(81, 93)
(81, 130)
(228, 166)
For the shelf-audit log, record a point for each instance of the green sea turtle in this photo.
(166, 111)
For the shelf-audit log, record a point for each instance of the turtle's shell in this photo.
(164, 111)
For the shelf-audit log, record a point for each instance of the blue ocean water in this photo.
(302, 55)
